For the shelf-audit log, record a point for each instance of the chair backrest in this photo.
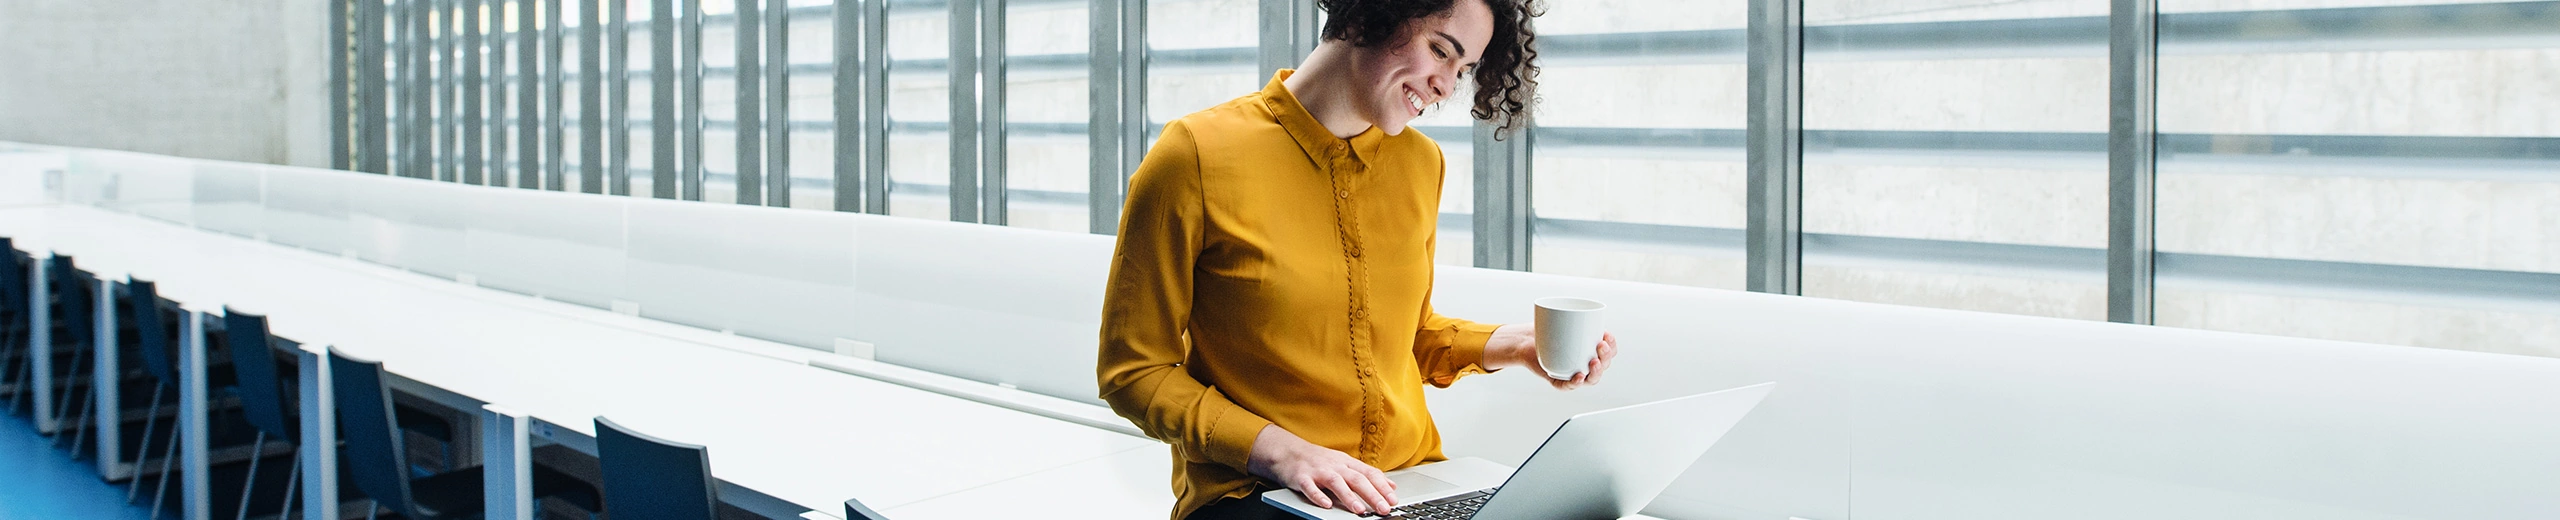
(854, 510)
(647, 478)
(12, 289)
(373, 450)
(72, 299)
(142, 304)
(261, 391)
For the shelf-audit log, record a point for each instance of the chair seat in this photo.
(459, 493)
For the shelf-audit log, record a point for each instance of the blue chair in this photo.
(648, 478)
(13, 322)
(854, 510)
(154, 335)
(75, 404)
(73, 315)
(261, 391)
(373, 455)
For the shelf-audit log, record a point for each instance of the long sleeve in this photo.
(1446, 348)
(1147, 309)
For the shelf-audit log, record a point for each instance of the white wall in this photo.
(240, 80)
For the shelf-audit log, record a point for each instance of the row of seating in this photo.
(642, 477)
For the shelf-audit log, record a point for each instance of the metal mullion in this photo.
(422, 79)
(472, 138)
(1119, 115)
(992, 192)
(555, 98)
(590, 97)
(1288, 34)
(848, 96)
(395, 77)
(1503, 211)
(692, 111)
(1774, 244)
(340, 90)
(2132, 62)
(777, 83)
(497, 78)
(528, 97)
(398, 31)
(875, 106)
(618, 97)
(750, 113)
(963, 75)
(1134, 125)
(373, 122)
(1102, 117)
(662, 99)
(448, 94)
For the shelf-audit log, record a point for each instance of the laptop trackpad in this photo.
(1416, 484)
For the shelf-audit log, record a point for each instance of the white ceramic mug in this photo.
(1568, 335)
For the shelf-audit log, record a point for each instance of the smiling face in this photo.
(1422, 66)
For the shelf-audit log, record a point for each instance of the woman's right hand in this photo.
(1319, 474)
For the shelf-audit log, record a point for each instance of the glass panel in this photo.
(1955, 154)
(2379, 172)
(919, 112)
(1638, 160)
(1450, 125)
(573, 86)
(1199, 53)
(719, 101)
(500, 19)
(1047, 99)
(812, 55)
(640, 113)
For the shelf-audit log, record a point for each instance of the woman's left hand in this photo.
(1517, 345)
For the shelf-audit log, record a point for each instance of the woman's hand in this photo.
(1516, 345)
(1319, 474)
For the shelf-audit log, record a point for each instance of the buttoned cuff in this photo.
(1466, 351)
(1231, 437)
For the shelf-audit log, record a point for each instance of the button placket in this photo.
(1344, 171)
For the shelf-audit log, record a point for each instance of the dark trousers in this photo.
(1247, 508)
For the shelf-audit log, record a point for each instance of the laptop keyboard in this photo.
(1455, 507)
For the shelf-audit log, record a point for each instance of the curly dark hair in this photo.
(1506, 77)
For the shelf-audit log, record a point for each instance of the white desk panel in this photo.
(806, 435)
(1098, 489)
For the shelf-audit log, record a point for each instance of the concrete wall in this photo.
(241, 80)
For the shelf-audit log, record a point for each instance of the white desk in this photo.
(806, 436)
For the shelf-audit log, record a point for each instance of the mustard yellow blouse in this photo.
(1270, 273)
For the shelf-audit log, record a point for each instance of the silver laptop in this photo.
(1599, 465)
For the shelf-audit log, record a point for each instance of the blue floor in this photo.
(42, 482)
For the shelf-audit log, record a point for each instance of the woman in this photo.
(1269, 312)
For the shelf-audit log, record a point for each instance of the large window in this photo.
(919, 112)
(1199, 53)
(2362, 170)
(1047, 110)
(2366, 170)
(1638, 153)
(1955, 154)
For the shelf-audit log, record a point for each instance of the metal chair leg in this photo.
(26, 382)
(149, 424)
(168, 457)
(257, 453)
(292, 485)
(9, 360)
(81, 438)
(62, 408)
